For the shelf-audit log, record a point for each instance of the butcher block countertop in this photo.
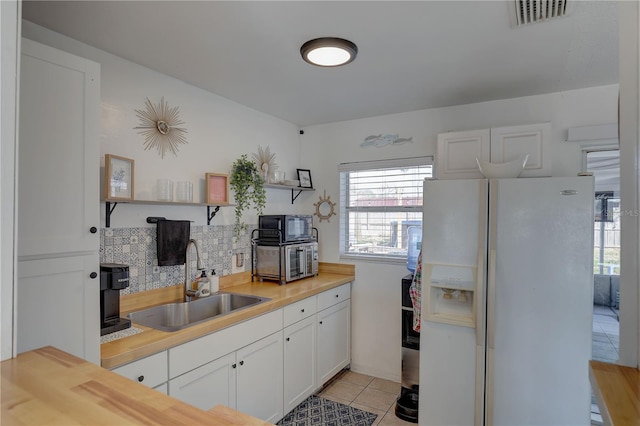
(150, 341)
(49, 386)
(617, 392)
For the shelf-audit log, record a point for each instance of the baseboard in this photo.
(375, 372)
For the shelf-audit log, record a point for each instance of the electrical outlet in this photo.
(237, 263)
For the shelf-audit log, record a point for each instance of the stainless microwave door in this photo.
(295, 267)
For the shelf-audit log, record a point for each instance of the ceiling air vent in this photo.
(525, 12)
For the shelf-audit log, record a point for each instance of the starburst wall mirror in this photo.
(159, 126)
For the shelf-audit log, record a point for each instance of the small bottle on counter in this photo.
(214, 281)
(204, 285)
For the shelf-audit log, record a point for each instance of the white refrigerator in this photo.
(507, 298)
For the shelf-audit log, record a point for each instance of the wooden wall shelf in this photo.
(293, 189)
(110, 205)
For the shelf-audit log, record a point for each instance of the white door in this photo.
(334, 352)
(209, 385)
(299, 362)
(59, 305)
(539, 301)
(510, 143)
(260, 379)
(457, 153)
(452, 356)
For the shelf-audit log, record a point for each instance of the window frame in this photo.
(344, 225)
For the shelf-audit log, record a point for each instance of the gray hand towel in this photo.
(173, 237)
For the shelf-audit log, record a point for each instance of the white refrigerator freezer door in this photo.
(454, 232)
(539, 317)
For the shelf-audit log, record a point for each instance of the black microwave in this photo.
(285, 228)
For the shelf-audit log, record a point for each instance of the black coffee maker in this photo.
(113, 278)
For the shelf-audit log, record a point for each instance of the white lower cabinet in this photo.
(249, 380)
(299, 362)
(54, 296)
(264, 366)
(209, 385)
(334, 340)
(259, 378)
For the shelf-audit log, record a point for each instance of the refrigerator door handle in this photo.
(479, 297)
(491, 292)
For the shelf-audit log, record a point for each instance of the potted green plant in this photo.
(248, 187)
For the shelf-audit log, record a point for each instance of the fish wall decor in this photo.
(383, 140)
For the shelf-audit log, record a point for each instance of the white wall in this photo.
(630, 183)
(219, 131)
(376, 293)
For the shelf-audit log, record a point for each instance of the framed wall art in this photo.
(118, 178)
(216, 188)
(304, 176)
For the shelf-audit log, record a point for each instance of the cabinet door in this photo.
(186, 357)
(58, 182)
(259, 378)
(209, 385)
(150, 371)
(334, 344)
(59, 305)
(511, 143)
(299, 362)
(457, 153)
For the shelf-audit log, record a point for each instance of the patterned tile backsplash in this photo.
(136, 247)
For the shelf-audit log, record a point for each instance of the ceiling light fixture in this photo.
(328, 52)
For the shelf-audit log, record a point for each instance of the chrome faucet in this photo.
(188, 293)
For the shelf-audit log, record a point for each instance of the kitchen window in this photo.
(379, 202)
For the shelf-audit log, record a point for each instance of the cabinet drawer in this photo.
(197, 352)
(333, 296)
(150, 371)
(299, 310)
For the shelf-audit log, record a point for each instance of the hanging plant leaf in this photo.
(248, 187)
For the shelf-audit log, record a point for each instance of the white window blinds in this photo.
(379, 202)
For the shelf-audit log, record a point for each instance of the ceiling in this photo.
(412, 55)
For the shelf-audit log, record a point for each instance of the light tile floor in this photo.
(379, 396)
(367, 393)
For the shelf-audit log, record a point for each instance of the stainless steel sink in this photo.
(176, 316)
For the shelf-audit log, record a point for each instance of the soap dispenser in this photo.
(214, 281)
(204, 285)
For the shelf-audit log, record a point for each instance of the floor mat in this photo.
(319, 411)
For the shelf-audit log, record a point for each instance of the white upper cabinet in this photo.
(457, 151)
(511, 143)
(58, 182)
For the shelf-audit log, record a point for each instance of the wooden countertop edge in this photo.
(617, 392)
(150, 341)
(49, 386)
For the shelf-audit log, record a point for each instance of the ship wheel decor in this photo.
(159, 126)
(325, 207)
